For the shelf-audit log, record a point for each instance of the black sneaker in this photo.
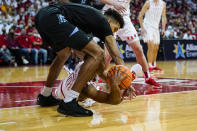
(73, 109)
(47, 101)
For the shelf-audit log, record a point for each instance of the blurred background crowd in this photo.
(20, 42)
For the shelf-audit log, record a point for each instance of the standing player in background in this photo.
(153, 10)
(129, 34)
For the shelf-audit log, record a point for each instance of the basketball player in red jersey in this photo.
(129, 34)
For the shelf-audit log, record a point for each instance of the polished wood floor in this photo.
(173, 111)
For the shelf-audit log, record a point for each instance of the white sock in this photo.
(154, 64)
(46, 91)
(147, 74)
(137, 68)
(70, 96)
(150, 65)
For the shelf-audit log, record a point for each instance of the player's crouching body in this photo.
(110, 93)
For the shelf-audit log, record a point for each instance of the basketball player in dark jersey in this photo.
(64, 26)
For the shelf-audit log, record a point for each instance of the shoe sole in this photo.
(74, 115)
(153, 84)
(38, 103)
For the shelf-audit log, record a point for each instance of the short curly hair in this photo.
(115, 15)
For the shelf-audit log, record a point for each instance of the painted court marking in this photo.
(23, 94)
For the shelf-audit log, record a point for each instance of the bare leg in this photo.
(93, 60)
(57, 65)
(155, 52)
(150, 52)
(137, 49)
(45, 98)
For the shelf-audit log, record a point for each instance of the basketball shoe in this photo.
(150, 69)
(47, 101)
(151, 81)
(73, 109)
(157, 68)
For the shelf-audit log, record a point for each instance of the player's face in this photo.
(115, 26)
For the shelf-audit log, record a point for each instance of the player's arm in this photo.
(111, 46)
(113, 97)
(142, 12)
(114, 4)
(108, 2)
(164, 20)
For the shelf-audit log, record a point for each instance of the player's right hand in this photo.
(129, 93)
(143, 32)
(117, 77)
(120, 8)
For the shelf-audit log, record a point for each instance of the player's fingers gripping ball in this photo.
(122, 73)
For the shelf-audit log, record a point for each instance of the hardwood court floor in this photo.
(172, 108)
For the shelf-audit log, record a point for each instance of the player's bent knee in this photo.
(93, 49)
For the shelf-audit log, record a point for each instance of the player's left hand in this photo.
(129, 93)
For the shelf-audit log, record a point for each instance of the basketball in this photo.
(126, 82)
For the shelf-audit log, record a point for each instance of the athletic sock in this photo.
(154, 64)
(147, 74)
(150, 65)
(70, 96)
(46, 91)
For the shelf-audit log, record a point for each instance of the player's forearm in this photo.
(140, 18)
(108, 2)
(164, 21)
(91, 92)
(110, 43)
(142, 13)
(54, 71)
(114, 97)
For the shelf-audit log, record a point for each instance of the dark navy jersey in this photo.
(87, 18)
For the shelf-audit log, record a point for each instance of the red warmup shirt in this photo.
(17, 31)
(24, 41)
(35, 39)
(3, 41)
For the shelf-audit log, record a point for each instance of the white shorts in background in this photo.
(152, 34)
(128, 33)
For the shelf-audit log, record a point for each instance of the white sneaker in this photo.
(88, 102)
(25, 61)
